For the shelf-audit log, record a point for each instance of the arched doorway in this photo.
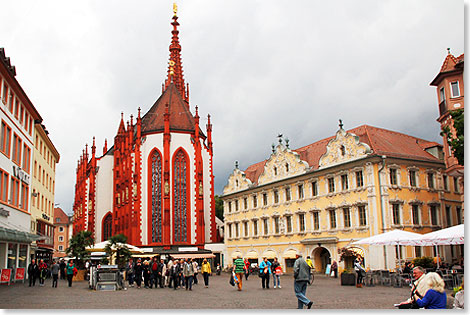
(320, 258)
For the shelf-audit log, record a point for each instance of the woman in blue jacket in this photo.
(265, 271)
(435, 297)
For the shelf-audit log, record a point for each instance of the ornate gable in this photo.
(237, 181)
(343, 148)
(282, 163)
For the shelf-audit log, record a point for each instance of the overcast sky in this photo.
(258, 67)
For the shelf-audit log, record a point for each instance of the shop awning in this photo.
(251, 254)
(192, 255)
(357, 251)
(17, 236)
(269, 254)
(290, 253)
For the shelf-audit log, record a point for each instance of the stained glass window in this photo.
(156, 205)
(180, 202)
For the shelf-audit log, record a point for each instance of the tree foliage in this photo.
(117, 246)
(78, 243)
(219, 207)
(456, 141)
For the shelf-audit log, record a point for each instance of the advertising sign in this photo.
(19, 274)
(5, 276)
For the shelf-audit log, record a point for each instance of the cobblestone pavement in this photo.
(326, 292)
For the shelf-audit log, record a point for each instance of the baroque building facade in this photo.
(155, 184)
(318, 199)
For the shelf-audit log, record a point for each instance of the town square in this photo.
(232, 155)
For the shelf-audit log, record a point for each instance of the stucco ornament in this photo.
(237, 181)
(343, 148)
(282, 163)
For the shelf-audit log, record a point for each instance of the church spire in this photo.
(175, 66)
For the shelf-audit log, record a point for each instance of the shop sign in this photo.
(19, 274)
(20, 174)
(5, 276)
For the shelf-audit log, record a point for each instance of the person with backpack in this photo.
(238, 266)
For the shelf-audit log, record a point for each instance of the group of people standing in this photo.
(266, 269)
(42, 271)
(174, 274)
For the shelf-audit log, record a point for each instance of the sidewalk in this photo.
(326, 292)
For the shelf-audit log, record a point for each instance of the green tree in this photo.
(78, 243)
(219, 207)
(117, 246)
(456, 142)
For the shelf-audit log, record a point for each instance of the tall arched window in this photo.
(107, 227)
(180, 197)
(155, 203)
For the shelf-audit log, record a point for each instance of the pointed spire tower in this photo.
(175, 66)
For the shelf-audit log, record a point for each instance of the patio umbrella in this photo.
(393, 237)
(100, 247)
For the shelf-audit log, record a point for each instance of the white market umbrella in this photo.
(100, 247)
(393, 237)
(453, 235)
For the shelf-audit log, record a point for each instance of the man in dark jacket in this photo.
(175, 274)
(33, 272)
(62, 266)
(301, 276)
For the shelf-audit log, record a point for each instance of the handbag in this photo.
(231, 281)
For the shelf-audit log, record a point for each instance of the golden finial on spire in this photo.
(175, 8)
(172, 64)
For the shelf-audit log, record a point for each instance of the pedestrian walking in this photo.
(195, 267)
(175, 274)
(276, 270)
(138, 269)
(42, 272)
(33, 272)
(146, 273)
(55, 268)
(301, 279)
(334, 268)
(130, 272)
(63, 266)
(359, 270)
(154, 272)
(238, 266)
(188, 272)
(71, 271)
(163, 275)
(168, 272)
(218, 269)
(246, 268)
(206, 272)
(265, 271)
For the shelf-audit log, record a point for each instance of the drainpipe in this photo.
(382, 207)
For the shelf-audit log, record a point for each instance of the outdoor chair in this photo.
(369, 279)
(385, 278)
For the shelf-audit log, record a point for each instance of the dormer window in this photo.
(236, 182)
(275, 171)
(454, 88)
(287, 167)
(343, 150)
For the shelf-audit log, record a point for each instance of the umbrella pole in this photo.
(437, 254)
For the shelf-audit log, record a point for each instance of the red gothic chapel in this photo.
(156, 184)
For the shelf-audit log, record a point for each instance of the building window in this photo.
(362, 215)
(442, 95)
(301, 222)
(61, 228)
(316, 220)
(431, 180)
(156, 197)
(415, 214)
(393, 177)
(61, 238)
(229, 206)
(229, 227)
(5, 139)
(255, 227)
(16, 157)
(347, 217)
(107, 227)
(289, 224)
(275, 171)
(396, 213)
(359, 179)
(344, 182)
(255, 201)
(433, 211)
(24, 196)
(61, 248)
(445, 180)
(181, 196)
(3, 185)
(301, 191)
(265, 199)
(276, 225)
(276, 196)
(448, 216)
(287, 167)
(454, 87)
(331, 185)
(236, 205)
(265, 227)
(314, 188)
(15, 192)
(418, 251)
(332, 219)
(288, 194)
(245, 227)
(237, 230)
(412, 176)
(458, 211)
(245, 203)
(456, 184)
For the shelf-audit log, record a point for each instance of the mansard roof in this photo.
(381, 141)
(181, 118)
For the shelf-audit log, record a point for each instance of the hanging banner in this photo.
(5, 276)
(19, 274)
